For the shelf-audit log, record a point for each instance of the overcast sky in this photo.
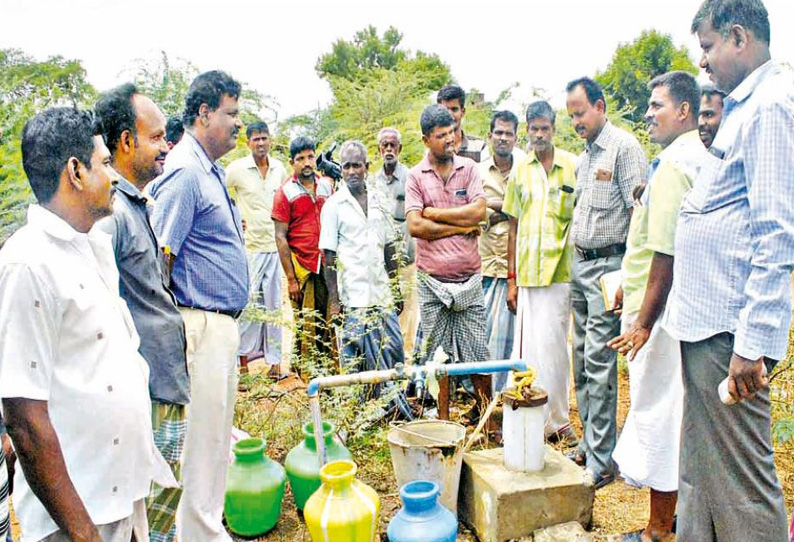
(273, 45)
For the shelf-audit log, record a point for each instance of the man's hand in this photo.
(617, 303)
(11, 459)
(745, 377)
(294, 290)
(512, 295)
(631, 342)
(472, 231)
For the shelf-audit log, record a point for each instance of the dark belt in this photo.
(603, 252)
(233, 314)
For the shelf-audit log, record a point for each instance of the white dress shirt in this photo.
(67, 338)
(358, 241)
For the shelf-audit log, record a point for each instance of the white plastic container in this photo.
(522, 431)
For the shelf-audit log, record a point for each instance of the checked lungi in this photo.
(499, 325)
(169, 423)
(453, 316)
(370, 340)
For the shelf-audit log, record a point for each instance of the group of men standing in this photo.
(122, 294)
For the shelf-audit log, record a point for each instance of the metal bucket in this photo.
(429, 450)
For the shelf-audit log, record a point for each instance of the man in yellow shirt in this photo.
(539, 200)
(254, 180)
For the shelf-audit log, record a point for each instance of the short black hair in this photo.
(49, 139)
(300, 144)
(709, 90)
(258, 126)
(115, 113)
(451, 92)
(681, 86)
(435, 116)
(592, 89)
(541, 109)
(723, 14)
(174, 129)
(208, 88)
(504, 116)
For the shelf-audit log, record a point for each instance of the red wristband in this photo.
(511, 276)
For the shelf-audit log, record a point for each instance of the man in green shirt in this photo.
(539, 200)
(648, 448)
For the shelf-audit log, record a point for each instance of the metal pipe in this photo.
(399, 372)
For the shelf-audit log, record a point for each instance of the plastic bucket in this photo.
(429, 450)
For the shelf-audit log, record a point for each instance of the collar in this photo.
(687, 138)
(395, 176)
(249, 162)
(130, 190)
(345, 195)
(51, 224)
(749, 84)
(207, 164)
(457, 163)
(601, 140)
(555, 163)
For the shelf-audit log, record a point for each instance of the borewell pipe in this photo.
(399, 372)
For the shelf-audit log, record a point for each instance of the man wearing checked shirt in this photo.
(611, 166)
(731, 300)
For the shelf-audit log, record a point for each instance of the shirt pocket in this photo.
(560, 203)
(602, 194)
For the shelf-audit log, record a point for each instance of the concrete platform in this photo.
(499, 504)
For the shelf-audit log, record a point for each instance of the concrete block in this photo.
(499, 504)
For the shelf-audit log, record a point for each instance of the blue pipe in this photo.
(314, 387)
(482, 367)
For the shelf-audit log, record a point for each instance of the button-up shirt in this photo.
(735, 237)
(300, 210)
(543, 205)
(358, 240)
(393, 189)
(144, 287)
(195, 217)
(654, 219)
(454, 258)
(493, 241)
(609, 169)
(254, 195)
(67, 338)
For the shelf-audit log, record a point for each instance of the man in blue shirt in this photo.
(731, 300)
(200, 231)
(134, 129)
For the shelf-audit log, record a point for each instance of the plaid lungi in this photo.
(169, 423)
(453, 316)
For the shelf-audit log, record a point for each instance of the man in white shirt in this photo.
(74, 387)
(357, 238)
(253, 181)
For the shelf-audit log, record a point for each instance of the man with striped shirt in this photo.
(731, 299)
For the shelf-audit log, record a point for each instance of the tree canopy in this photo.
(26, 87)
(634, 64)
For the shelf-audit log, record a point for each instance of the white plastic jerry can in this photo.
(522, 431)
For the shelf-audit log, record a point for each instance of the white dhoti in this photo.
(647, 450)
(541, 339)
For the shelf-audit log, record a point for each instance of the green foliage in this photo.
(635, 64)
(26, 88)
(163, 80)
(366, 52)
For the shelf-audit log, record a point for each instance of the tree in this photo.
(26, 88)
(634, 64)
(163, 80)
(357, 60)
